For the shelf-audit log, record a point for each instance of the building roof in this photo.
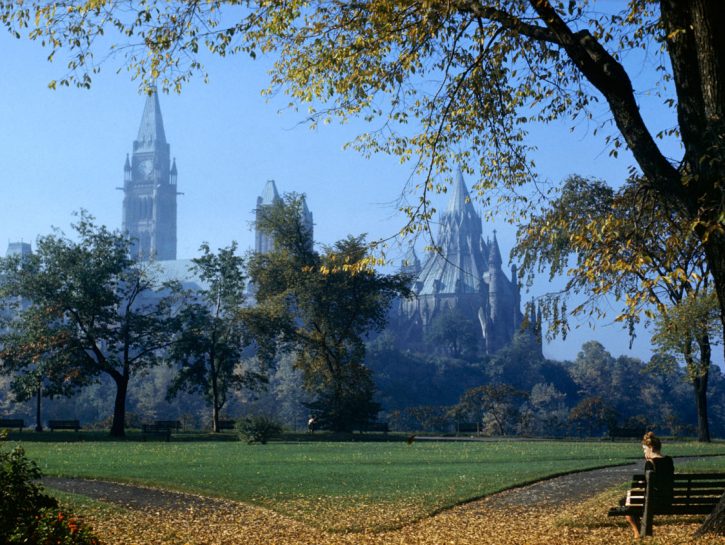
(151, 129)
(459, 265)
(269, 193)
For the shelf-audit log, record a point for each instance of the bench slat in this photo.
(693, 494)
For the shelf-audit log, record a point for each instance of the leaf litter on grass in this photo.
(480, 523)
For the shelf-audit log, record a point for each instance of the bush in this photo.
(26, 514)
(55, 527)
(258, 429)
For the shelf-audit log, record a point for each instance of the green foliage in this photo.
(27, 516)
(319, 307)
(593, 415)
(88, 310)
(299, 479)
(495, 405)
(348, 404)
(21, 499)
(453, 331)
(681, 330)
(55, 527)
(212, 335)
(258, 429)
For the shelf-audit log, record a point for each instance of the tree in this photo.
(496, 68)
(320, 307)
(649, 261)
(91, 310)
(451, 330)
(495, 405)
(594, 414)
(687, 331)
(212, 337)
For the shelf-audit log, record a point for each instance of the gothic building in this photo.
(149, 189)
(465, 275)
(263, 242)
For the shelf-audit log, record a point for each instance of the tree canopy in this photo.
(211, 339)
(320, 307)
(89, 310)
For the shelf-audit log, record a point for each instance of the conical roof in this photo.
(151, 129)
(494, 256)
(460, 199)
(269, 193)
(461, 262)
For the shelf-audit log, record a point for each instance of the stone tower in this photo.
(263, 242)
(465, 276)
(149, 189)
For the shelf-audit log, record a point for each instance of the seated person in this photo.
(661, 480)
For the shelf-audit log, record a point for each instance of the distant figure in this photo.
(311, 424)
(664, 470)
(410, 439)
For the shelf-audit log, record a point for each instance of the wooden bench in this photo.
(693, 494)
(626, 433)
(171, 424)
(227, 424)
(156, 430)
(374, 427)
(12, 423)
(468, 427)
(64, 425)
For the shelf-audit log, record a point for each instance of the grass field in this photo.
(339, 485)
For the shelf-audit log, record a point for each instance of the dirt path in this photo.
(566, 488)
(556, 510)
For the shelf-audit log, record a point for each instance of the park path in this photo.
(552, 491)
(542, 513)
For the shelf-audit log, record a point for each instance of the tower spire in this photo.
(151, 130)
(460, 198)
(494, 257)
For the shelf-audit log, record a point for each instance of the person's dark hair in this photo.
(652, 441)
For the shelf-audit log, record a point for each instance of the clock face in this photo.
(146, 167)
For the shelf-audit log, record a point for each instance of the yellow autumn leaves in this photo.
(481, 523)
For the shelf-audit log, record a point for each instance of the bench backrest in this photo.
(691, 491)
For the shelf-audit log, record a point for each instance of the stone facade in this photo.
(149, 189)
(464, 275)
(263, 242)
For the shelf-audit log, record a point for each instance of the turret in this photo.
(173, 173)
(127, 171)
(263, 242)
(411, 263)
(495, 279)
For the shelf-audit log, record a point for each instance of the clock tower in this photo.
(149, 189)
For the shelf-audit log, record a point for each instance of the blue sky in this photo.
(64, 150)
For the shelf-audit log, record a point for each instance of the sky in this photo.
(63, 150)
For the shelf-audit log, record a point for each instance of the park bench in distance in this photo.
(693, 494)
(156, 430)
(12, 423)
(626, 433)
(64, 425)
(375, 427)
(171, 424)
(227, 424)
(468, 427)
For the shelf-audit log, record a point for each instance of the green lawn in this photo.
(339, 485)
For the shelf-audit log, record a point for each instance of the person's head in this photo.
(651, 444)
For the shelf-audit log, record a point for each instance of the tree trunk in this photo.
(38, 421)
(118, 427)
(715, 522)
(215, 417)
(703, 426)
(700, 383)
